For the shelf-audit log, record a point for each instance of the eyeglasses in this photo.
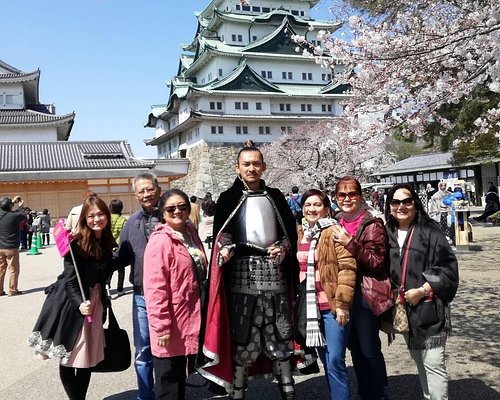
(406, 202)
(180, 207)
(341, 195)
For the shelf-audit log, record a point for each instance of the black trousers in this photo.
(170, 376)
(75, 381)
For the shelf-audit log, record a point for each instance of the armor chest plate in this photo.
(256, 222)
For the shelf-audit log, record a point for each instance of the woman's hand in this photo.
(342, 317)
(163, 340)
(340, 235)
(86, 308)
(413, 296)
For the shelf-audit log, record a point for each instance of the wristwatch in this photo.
(426, 293)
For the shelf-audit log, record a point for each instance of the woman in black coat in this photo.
(431, 284)
(64, 330)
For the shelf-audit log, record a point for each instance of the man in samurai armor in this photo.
(253, 269)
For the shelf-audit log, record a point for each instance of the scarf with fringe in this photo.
(314, 337)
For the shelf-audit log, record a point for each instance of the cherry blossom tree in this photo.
(319, 154)
(415, 57)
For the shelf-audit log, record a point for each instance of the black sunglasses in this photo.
(406, 202)
(171, 209)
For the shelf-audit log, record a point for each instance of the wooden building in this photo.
(38, 162)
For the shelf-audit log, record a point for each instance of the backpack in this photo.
(294, 204)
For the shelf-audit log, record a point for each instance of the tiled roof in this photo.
(419, 163)
(7, 67)
(20, 77)
(29, 117)
(66, 156)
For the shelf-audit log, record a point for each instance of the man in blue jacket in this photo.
(133, 239)
(9, 242)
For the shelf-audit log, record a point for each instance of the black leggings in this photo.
(75, 381)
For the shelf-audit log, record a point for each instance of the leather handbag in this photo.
(400, 315)
(377, 293)
(397, 320)
(117, 354)
(300, 320)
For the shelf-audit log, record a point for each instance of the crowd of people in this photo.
(230, 314)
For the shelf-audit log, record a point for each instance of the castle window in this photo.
(242, 130)
(267, 74)
(264, 130)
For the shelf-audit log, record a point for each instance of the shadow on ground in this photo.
(407, 387)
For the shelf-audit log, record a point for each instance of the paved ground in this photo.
(473, 350)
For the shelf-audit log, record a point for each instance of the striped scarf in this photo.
(314, 337)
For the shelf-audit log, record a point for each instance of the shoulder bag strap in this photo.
(112, 322)
(405, 259)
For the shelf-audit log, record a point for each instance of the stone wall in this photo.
(211, 169)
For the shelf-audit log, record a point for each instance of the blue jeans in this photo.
(366, 350)
(333, 356)
(143, 356)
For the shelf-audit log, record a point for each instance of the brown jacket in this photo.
(337, 270)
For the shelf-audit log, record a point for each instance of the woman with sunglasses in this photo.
(361, 231)
(174, 271)
(430, 284)
(330, 271)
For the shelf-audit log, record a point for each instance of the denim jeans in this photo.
(143, 356)
(366, 350)
(333, 356)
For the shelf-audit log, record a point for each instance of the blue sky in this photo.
(107, 60)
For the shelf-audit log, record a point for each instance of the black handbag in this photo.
(300, 314)
(117, 354)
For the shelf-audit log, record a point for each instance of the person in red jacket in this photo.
(361, 230)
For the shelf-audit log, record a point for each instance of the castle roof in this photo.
(29, 80)
(29, 118)
(73, 160)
